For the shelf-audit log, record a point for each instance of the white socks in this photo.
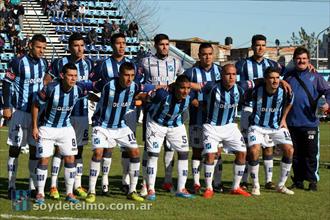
(93, 174)
(69, 175)
(12, 171)
(56, 165)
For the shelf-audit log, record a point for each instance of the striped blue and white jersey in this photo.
(58, 103)
(197, 116)
(115, 101)
(166, 109)
(109, 68)
(222, 103)
(267, 108)
(160, 71)
(85, 68)
(26, 77)
(250, 69)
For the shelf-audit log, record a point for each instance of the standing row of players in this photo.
(209, 129)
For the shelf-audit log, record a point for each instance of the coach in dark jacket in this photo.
(302, 120)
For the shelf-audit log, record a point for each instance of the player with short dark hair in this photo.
(79, 115)
(271, 105)
(54, 128)
(205, 71)
(25, 76)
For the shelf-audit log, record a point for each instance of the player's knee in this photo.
(183, 155)
(267, 151)
(240, 158)
(69, 159)
(14, 151)
(97, 155)
(288, 151)
(134, 152)
(209, 158)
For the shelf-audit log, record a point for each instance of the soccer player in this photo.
(160, 69)
(302, 120)
(223, 98)
(59, 98)
(25, 76)
(205, 71)
(107, 70)
(79, 115)
(271, 105)
(165, 119)
(249, 69)
(110, 129)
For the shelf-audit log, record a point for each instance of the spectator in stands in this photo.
(133, 29)
(107, 25)
(92, 37)
(20, 15)
(12, 34)
(114, 27)
(64, 10)
(2, 24)
(12, 14)
(4, 13)
(2, 43)
(106, 35)
(123, 27)
(81, 12)
(73, 9)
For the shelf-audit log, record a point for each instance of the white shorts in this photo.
(19, 129)
(110, 137)
(196, 136)
(228, 136)
(80, 126)
(130, 119)
(64, 138)
(266, 137)
(176, 137)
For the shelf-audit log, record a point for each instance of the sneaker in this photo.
(33, 193)
(80, 191)
(240, 191)
(312, 186)
(218, 188)
(144, 191)
(244, 185)
(284, 190)
(11, 192)
(167, 187)
(91, 197)
(105, 190)
(270, 185)
(71, 198)
(208, 194)
(197, 189)
(151, 195)
(255, 191)
(184, 194)
(40, 199)
(54, 194)
(134, 196)
(125, 189)
(297, 185)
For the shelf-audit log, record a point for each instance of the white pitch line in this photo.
(7, 216)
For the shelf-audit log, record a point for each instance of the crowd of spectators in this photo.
(72, 9)
(12, 13)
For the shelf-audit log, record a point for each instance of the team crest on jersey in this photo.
(131, 92)
(170, 68)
